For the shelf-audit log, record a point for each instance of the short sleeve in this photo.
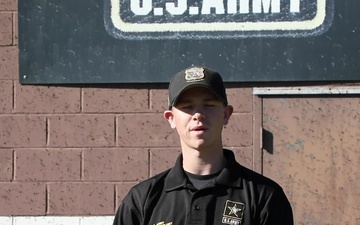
(127, 215)
(277, 210)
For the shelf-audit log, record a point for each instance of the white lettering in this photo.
(193, 10)
(217, 4)
(179, 7)
(230, 221)
(295, 6)
(158, 11)
(176, 10)
(260, 6)
(244, 6)
(231, 6)
(137, 9)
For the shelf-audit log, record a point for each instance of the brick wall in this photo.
(76, 151)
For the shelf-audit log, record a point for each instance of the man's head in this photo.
(196, 77)
(198, 108)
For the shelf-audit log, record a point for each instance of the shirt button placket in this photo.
(196, 214)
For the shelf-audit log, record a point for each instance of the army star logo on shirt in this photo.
(233, 212)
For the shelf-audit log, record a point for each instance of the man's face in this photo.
(199, 117)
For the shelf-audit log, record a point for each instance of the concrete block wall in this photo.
(72, 153)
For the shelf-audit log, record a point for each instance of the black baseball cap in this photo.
(196, 77)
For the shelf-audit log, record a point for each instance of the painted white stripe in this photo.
(306, 90)
(108, 220)
(56, 220)
(5, 221)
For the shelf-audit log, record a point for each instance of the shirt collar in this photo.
(229, 176)
(231, 173)
(176, 179)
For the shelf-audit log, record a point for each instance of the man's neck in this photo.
(203, 162)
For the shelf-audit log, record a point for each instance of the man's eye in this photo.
(210, 104)
(186, 106)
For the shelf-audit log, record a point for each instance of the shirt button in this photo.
(196, 208)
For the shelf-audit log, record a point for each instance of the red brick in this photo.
(115, 100)
(41, 99)
(81, 199)
(244, 156)
(162, 159)
(240, 98)
(81, 131)
(8, 5)
(116, 164)
(143, 130)
(18, 131)
(121, 191)
(6, 28)
(22, 199)
(15, 28)
(238, 132)
(47, 165)
(6, 99)
(9, 63)
(6, 164)
(159, 100)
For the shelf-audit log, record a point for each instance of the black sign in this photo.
(141, 41)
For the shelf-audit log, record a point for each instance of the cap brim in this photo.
(194, 85)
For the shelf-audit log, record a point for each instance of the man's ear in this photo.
(228, 110)
(169, 116)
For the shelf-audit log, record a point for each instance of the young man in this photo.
(206, 186)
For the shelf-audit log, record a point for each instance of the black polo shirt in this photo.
(237, 196)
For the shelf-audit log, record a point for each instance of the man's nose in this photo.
(199, 114)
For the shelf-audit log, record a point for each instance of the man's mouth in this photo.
(199, 128)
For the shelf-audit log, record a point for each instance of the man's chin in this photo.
(200, 145)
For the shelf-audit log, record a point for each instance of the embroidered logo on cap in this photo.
(194, 74)
(233, 212)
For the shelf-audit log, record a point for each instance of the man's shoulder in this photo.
(146, 187)
(253, 178)
(160, 177)
(248, 176)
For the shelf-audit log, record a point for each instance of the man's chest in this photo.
(200, 208)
